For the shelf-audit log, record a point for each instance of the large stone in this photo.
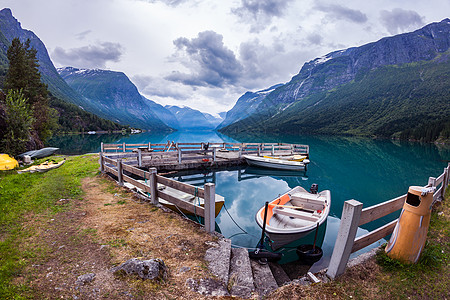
(263, 277)
(153, 269)
(207, 287)
(85, 278)
(240, 282)
(218, 258)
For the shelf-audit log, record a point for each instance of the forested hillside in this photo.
(411, 101)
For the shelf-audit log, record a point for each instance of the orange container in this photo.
(410, 232)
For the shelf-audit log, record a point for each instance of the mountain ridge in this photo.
(339, 68)
(112, 95)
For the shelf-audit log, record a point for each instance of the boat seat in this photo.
(309, 216)
(308, 201)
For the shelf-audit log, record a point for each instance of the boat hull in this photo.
(274, 163)
(287, 225)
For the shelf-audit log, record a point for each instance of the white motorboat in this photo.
(276, 163)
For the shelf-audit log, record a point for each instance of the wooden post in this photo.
(214, 154)
(139, 158)
(273, 150)
(445, 181)
(259, 150)
(119, 172)
(351, 214)
(210, 207)
(102, 162)
(431, 181)
(179, 156)
(102, 148)
(124, 147)
(149, 146)
(153, 186)
(240, 151)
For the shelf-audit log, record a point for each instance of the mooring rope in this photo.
(244, 231)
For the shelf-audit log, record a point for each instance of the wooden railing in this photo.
(179, 152)
(119, 169)
(353, 216)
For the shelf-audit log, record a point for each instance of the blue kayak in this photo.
(36, 154)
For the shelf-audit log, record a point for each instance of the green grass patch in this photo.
(28, 196)
(428, 277)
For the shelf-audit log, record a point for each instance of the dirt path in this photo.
(106, 228)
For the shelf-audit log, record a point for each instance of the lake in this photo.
(367, 170)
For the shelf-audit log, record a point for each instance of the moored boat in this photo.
(276, 163)
(295, 157)
(293, 215)
(41, 153)
(219, 200)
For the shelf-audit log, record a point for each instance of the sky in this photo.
(205, 54)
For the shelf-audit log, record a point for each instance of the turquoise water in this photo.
(370, 171)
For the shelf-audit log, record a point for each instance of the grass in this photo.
(424, 279)
(24, 198)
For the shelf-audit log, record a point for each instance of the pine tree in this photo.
(19, 122)
(23, 74)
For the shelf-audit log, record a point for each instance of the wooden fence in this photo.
(179, 152)
(122, 172)
(353, 216)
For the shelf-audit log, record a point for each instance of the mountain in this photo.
(10, 28)
(214, 120)
(246, 105)
(163, 114)
(364, 90)
(191, 119)
(63, 98)
(113, 96)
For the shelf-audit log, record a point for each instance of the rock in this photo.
(240, 282)
(207, 287)
(184, 269)
(153, 269)
(85, 278)
(218, 258)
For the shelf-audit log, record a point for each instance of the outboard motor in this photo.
(314, 188)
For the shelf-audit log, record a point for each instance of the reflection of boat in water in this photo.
(294, 214)
(274, 172)
(292, 264)
(276, 163)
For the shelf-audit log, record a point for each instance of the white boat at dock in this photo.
(276, 163)
(293, 215)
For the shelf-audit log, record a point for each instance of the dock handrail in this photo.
(353, 216)
(117, 168)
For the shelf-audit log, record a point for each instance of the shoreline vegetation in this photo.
(70, 221)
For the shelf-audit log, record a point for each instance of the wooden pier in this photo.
(136, 165)
(186, 156)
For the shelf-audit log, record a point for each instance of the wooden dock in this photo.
(187, 156)
(136, 166)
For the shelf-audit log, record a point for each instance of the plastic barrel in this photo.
(410, 232)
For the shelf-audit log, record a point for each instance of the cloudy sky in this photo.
(206, 53)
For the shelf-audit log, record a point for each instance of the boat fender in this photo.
(259, 254)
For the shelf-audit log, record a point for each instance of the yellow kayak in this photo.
(7, 162)
(44, 167)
